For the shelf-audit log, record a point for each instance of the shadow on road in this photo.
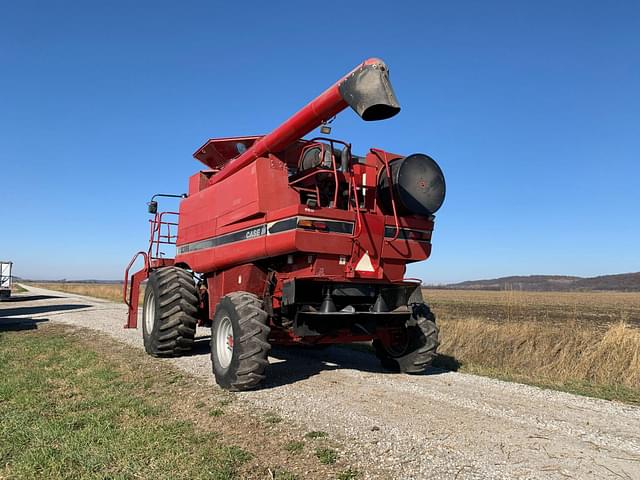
(35, 310)
(19, 324)
(201, 346)
(293, 364)
(447, 362)
(27, 298)
(298, 363)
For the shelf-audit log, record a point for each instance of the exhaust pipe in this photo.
(366, 89)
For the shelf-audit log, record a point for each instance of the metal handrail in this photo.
(126, 274)
(156, 237)
(316, 171)
(347, 147)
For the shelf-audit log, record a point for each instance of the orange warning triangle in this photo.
(364, 264)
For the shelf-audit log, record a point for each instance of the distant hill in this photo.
(624, 282)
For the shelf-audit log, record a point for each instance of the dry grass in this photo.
(107, 291)
(582, 342)
(552, 355)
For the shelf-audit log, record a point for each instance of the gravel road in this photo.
(438, 425)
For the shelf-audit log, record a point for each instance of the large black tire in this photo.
(419, 349)
(239, 341)
(168, 313)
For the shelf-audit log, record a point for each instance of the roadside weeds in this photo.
(96, 407)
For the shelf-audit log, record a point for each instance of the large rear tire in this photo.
(239, 341)
(412, 347)
(168, 313)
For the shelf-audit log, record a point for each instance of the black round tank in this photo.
(418, 186)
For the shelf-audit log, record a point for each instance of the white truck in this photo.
(5, 279)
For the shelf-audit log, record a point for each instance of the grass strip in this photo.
(67, 413)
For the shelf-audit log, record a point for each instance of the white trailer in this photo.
(5, 279)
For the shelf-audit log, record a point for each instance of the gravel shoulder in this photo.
(437, 425)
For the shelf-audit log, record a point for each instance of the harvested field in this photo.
(587, 343)
(595, 308)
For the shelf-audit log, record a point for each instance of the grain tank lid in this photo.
(216, 152)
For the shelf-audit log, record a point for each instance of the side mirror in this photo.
(153, 207)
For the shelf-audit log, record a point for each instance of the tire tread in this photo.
(252, 343)
(425, 335)
(176, 307)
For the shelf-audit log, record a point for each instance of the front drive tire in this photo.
(168, 313)
(417, 350)
(239, 341)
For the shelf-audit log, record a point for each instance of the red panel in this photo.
(394, 271)
(240, 202)
(273, 179)
(281, 244)
(408, 251)
(247, 278)
(199, 181)
(319, 242)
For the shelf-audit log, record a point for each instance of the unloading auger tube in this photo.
(366, 89)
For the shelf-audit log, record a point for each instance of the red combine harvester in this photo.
(288, 241)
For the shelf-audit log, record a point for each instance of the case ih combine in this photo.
(288, 241)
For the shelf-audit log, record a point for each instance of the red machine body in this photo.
(266, 220)
(319, 234)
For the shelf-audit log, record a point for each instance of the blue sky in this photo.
(531, 108)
